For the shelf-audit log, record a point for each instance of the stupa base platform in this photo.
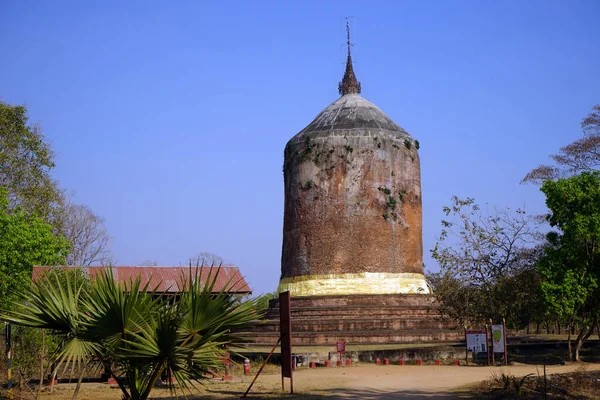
(389, 318)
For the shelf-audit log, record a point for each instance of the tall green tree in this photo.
(25, 241)
(135, 332)
(571, 265)
(26, 161)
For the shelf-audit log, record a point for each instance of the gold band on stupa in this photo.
(359, 283)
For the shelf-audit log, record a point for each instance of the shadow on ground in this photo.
(334, 394)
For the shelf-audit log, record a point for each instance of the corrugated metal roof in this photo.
(169, 279)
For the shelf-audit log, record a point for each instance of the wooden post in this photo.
(285, 330)
(466, 348)
(504, 336)
(487, 342)
(493, 354)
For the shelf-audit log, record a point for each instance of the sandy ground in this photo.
(416, 382)
(365, 381)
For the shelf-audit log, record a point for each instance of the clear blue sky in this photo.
(169, 119)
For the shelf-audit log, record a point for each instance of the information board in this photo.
(498, 338)
(476, 340)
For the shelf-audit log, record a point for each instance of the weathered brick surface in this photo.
(352, 195)
(359, 319)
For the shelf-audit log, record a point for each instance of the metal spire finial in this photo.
(349, 83)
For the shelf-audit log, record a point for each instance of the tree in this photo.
(26, 161)
(25, 241)
(87, 234)
(581, 155)
(482, 257)
(149, 263)
(206, 258)
(136, 333)
(571, 265)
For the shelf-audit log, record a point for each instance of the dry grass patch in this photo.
(578, 385)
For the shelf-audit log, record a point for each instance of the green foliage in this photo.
(417, 145)
(25, 164)
(571, 265)
(384, 190)
(309, 184)
(137, 333)
(262, 301)
(376, 142)
(306, 153)
(391, 203)
(401, 194)
(25, 241)
(407, 144)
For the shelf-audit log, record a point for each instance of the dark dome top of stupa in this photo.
(350, 115)
(352, 112)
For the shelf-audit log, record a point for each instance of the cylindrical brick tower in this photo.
(352, 214)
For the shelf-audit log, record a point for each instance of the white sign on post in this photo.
(498, 338)
(476, 341)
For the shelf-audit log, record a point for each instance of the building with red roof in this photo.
(169, 280)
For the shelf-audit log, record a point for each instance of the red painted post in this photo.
(456, 361)
(313, 364)
(401, 361)
(386, 361)
(377, 361)
(327, 363)
(227, 376)
(246, 367)
(419, 361)
(348, 362)
(339, 363)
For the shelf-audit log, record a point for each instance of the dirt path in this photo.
(362, 381)
(417, 382)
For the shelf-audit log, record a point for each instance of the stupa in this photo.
(352, 254)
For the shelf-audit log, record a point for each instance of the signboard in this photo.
(498, 338)
(285, 329)
(341, 346)
(476, 340)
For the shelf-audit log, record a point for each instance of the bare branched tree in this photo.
(572, 159)
(480, 252)
(148, 263)
(88, 237)
(206, 259)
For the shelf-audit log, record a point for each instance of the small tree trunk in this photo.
(569, 347)
(537, 328)
(578, 343)
(570, 326)
(53, 378)
(78, 384)
(39, 391)
(150, 384)
(585, 337)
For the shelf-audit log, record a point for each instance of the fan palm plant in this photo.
(134, 331)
